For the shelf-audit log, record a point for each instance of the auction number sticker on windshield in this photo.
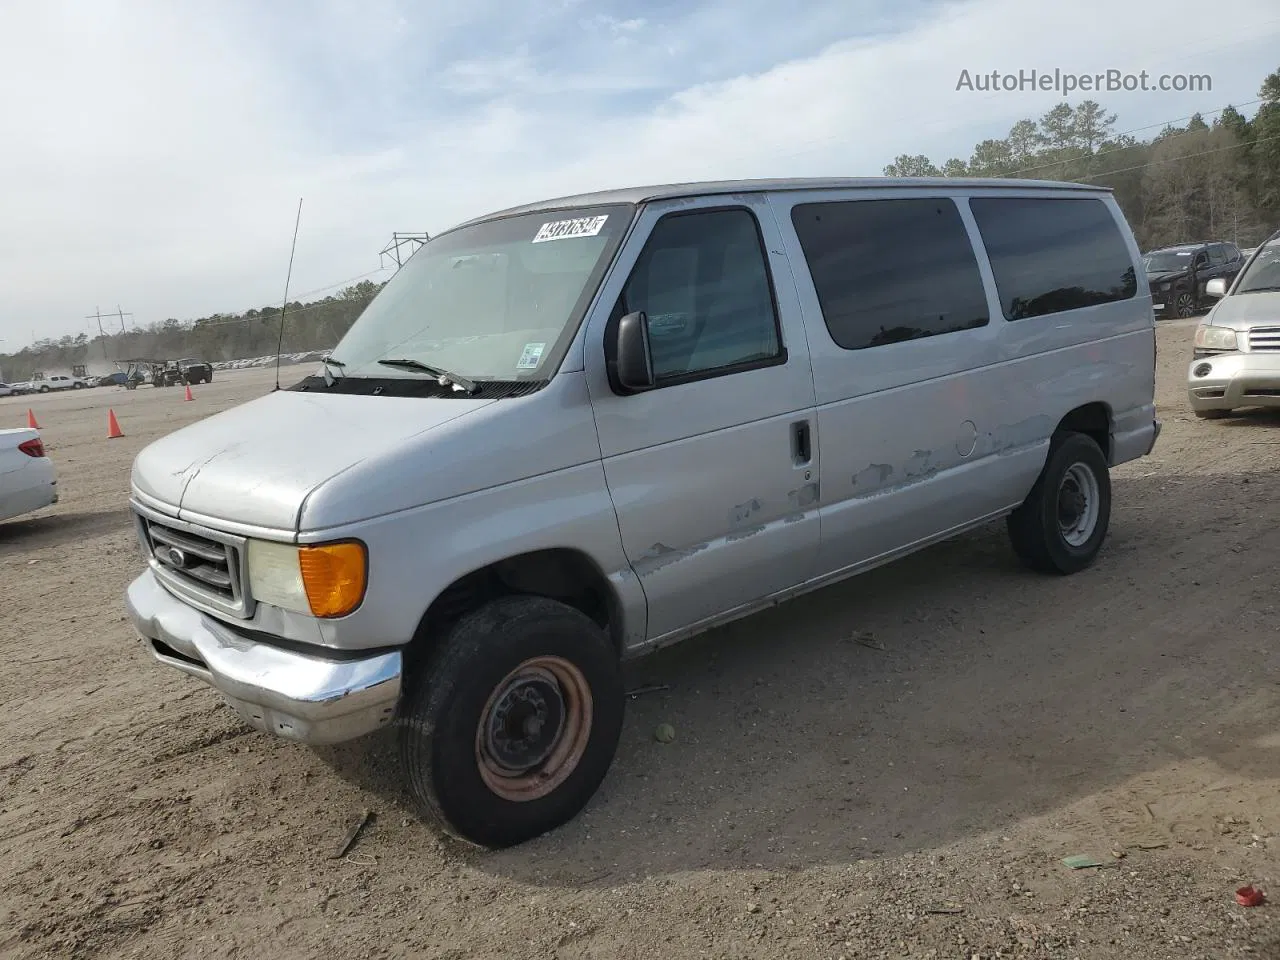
(570, 229)
(531, 356)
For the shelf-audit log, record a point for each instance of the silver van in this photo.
(575, 431)
(1236, 358)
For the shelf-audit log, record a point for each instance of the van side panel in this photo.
(1103, 353)
(915, 439)
(932, 434)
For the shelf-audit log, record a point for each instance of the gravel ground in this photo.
(892, 767)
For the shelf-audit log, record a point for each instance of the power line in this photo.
(1188, 156)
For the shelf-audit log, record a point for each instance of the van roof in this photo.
(674, 191)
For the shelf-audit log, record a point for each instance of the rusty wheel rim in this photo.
(534, 729)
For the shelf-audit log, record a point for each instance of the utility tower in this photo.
(399, 244)
(97, 315)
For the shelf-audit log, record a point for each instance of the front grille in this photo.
(205, 565)
(1264, 340)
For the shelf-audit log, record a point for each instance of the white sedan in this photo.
(27, 479)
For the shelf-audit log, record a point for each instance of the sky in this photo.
(155, 151)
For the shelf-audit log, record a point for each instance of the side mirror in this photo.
(1217, 288)
(627, 353)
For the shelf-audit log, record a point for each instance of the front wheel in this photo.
(44, 389)
(513, 722)
(1060, 527)
(1185, 304)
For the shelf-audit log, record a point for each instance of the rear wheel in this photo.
(1060, 527)
(513, 722)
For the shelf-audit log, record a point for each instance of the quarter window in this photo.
(703, 283)
(1053, 254)
(887, 271)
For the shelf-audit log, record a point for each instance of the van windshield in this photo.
(496, 300)
(1263, 273)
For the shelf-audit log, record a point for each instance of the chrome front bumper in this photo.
(311, 699)
(1234, 380)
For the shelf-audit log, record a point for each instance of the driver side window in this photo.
(703, 282)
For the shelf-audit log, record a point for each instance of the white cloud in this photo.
(155, 158)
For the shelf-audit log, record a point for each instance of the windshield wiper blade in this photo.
(442, 375)
(1260, 290)
(328, 363)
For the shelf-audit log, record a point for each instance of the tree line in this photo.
(1218, 180)
(223, 336)
(1198, 181)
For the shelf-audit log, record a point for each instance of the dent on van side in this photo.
(569, 433)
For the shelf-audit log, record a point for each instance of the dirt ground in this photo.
(893, 767)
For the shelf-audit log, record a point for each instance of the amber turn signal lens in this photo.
(334, 576)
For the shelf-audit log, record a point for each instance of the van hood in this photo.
(1240, 311)
(255, 464)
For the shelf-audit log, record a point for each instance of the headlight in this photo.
(324, 580)
(1216, 338)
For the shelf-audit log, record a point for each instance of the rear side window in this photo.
(1050, 255)
(886, 271)
(1216, 254)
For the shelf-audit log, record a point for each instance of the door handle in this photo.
(801, 447)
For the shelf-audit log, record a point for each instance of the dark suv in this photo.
(1178, 274)
(194, 371)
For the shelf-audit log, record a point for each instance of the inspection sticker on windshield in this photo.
(531, 357)
(570, 229)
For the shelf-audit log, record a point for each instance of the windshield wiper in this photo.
(443, 376)
(1260, 290)
(338, 365)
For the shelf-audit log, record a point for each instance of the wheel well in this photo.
(558, 574)
(1093, 420)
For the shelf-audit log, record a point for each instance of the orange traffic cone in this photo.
(31, 419)
(113, 426)
(189, 396)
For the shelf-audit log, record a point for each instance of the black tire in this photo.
(1184, 304)
(440, 726)
(1212, 414)
(1035, 528)
(44, 389)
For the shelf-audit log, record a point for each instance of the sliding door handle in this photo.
(801, 443)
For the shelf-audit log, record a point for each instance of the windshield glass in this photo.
(1263, 273)
(1168, 261)
(497, 300)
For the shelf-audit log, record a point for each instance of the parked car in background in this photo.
(6, 390)
(631, 417)
(1177, 275)
(27, 478)
(58, 381)
(1236, 358)
(195, 371)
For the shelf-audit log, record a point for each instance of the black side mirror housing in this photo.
(628, 357)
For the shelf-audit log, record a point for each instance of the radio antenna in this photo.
(285, 306)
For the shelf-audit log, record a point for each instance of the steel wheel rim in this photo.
(1078, 504)
(517, 758)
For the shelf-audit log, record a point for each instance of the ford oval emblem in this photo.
(172, 556)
